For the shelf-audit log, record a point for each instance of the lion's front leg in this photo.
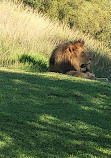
(92, 76)
(78, 74)
(102, 79)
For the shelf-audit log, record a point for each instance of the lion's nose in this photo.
(83, 65)
(90, 59)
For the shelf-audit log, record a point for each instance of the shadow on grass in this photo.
(53, 117)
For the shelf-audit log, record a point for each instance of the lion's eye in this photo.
(83, 52)
(73, 49)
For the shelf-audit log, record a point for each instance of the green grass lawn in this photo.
(49, 115)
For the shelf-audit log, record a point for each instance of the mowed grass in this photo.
(53, 115)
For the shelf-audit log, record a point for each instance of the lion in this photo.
(72, 58)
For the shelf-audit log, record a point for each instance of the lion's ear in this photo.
(82, 42)
(79, 44)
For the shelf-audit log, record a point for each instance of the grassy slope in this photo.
(53, 115)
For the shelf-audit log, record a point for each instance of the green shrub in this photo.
(90, 16)
(38, 63)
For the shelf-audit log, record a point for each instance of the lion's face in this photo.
(79, 56)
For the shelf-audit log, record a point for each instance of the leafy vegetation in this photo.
(37, 64)
(89, 16)
(53, 115)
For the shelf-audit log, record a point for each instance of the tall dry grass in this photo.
(24, 31)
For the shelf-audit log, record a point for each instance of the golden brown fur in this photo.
(71, 58)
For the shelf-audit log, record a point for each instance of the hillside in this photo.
(52, 115)
(89, 16)
(28, 38)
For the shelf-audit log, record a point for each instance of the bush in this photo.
(37, 64)
(90, 16)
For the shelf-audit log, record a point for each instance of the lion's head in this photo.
(79, 56)
(70, 56)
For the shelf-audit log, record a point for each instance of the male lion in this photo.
(72, 58)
